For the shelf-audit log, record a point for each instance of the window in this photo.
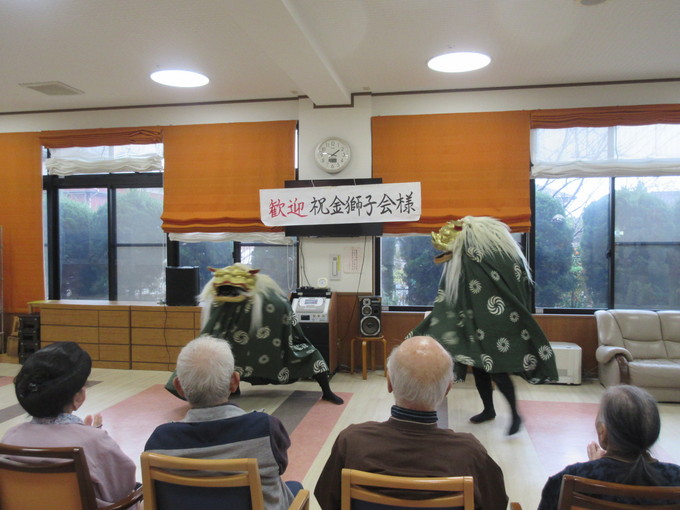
(277, 261)
(408, 274)
(104, 237)
(609, 241)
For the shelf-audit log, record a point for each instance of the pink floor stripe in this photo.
(132, 421)
(5, 380)
(561, 431)
(310, 435)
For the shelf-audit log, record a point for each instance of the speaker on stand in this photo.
(369, 319)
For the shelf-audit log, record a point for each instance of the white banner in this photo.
(368, 203)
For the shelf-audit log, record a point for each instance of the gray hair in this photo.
(631, 418)
(204, 369)
(420, 371)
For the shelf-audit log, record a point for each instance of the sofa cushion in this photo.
(650, 349)
(659, 373)
(638, 324)
(670, 331)
(641, 332)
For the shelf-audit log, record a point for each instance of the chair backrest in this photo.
(45, 478)
(362, 490)
(582, 493)
(180, 483)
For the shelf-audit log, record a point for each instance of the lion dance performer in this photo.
(482, 315)
(251, 312)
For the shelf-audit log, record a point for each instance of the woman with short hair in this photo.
(50, 387)
(627, 425)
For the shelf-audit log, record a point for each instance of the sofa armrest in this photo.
(605, 353)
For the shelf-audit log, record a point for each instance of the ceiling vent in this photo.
(52, 88)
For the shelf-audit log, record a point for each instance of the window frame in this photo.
(52, 184)
(611, 252)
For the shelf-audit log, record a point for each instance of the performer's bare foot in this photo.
(483, 416)
(516, 422)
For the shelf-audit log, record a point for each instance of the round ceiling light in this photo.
(458, 62)
(177, 78)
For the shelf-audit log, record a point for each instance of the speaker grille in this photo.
(369, 322)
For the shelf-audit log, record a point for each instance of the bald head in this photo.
(420, 373)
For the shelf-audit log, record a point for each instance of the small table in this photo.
(364, 342)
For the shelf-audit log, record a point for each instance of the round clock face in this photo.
(332, 155)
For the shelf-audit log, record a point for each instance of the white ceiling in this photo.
(324, 49)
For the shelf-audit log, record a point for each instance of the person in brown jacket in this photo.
(409, 443)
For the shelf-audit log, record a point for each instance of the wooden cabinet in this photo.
(122, 334)
(158, 333)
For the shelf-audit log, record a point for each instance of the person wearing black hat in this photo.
(50, 387)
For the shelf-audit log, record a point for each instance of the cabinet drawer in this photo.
(114, 336)
(79, 334)
(114, 318)
(109, 352)
(69, 316)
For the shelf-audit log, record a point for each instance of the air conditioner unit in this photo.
(568, 360)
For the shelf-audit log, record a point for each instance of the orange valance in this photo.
(606, 116)
(21, 220)
(214, 172)
(469, 164)
(101, 137)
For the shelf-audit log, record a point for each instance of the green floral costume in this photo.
(490, 325)
(277, 353)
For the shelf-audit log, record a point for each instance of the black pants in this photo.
(483, 383)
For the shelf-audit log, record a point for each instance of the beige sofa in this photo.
(642, 348)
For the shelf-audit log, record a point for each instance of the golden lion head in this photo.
(444, 237)
(233, 283)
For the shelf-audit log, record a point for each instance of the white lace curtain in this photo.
(616, 151)
(244, 237)
(105, 159)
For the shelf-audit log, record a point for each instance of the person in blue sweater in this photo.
(215, 428)
(627, 425)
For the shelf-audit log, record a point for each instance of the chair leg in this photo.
(351, 356)
(384, 344)
(363, 360)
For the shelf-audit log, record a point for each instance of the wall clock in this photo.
(332, 155)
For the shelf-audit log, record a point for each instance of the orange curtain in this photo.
(469, 164)
(101, 137)
(213, 174)
(606, 116)
(21, 219)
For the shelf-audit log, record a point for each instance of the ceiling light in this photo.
(458, 62)
(176, 78)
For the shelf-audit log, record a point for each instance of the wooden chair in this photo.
(64, 483)
(577, 493)
(360, 486)
(178, 483)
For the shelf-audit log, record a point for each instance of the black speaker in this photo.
(181, 286)
(29, 335)
(369, 313)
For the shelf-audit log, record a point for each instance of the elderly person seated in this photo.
(215, 428)
(50, 387)
(409, 443)
(627, 425)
